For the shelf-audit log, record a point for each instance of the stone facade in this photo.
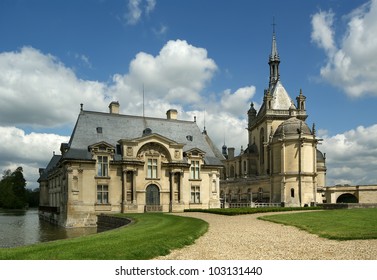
(127, 164)
(281, 163)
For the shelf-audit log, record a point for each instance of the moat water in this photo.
(23, 227)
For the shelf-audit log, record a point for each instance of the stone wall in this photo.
(105, 222)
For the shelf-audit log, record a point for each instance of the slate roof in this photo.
(53, 162)
(117, 126)
(280, 97)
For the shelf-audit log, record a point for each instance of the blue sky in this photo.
(205, 58)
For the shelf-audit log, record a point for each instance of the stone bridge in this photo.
(351, 194)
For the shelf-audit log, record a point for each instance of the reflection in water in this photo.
(23, 227)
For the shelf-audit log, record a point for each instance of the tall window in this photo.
(195, 194)
(152, 168)
(261, 145)
(194, 169)
(103, 166)
(102, 194)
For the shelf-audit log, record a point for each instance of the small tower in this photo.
(301, 101)
(225, 151)
(252, 114)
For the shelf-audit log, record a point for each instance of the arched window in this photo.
(261, 145)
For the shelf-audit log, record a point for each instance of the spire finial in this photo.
(273, 24)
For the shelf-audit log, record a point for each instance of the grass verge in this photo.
(150, 236)
(346, 224)
(248, 210)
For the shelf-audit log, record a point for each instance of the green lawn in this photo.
(344, 224)
(151, 235)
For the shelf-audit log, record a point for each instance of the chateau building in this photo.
(118, 163)
(281, 163)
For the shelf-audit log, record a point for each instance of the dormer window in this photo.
(102, 166)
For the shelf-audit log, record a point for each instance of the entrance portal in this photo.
(152, 199)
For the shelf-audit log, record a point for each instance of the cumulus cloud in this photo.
(351, 63)
(233, 102)
(177, 74)
(16, 145)
(30, 151)
(38, 90)
(352, 156)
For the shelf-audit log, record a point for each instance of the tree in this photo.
(12, 189)
(32, 197)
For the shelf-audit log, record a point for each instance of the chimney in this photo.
(114, 107)
(171, 114)
(230, 153)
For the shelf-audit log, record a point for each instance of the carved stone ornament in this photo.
(176, 154)
(130, 151)
(154, 150)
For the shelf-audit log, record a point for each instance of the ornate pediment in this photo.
(101, 147)
(195, 152)
(154, 149)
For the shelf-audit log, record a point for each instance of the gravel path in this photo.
(245, 237)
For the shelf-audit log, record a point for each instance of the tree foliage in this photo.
(12, 189)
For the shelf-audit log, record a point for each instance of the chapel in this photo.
(281, 164)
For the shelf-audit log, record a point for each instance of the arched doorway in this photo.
(152, 199)
(347, 198)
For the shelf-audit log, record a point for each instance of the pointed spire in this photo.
(274, 50)
(274, 59)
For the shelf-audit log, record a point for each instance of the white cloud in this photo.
(177, 74)
(352, 156)
(235, 102)
(16, 145)
(322, 33)
(38, 90)
(30, 151)
(84, 60)
(150, 5)
(351, 64)
(135, 11)
(160, 31)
